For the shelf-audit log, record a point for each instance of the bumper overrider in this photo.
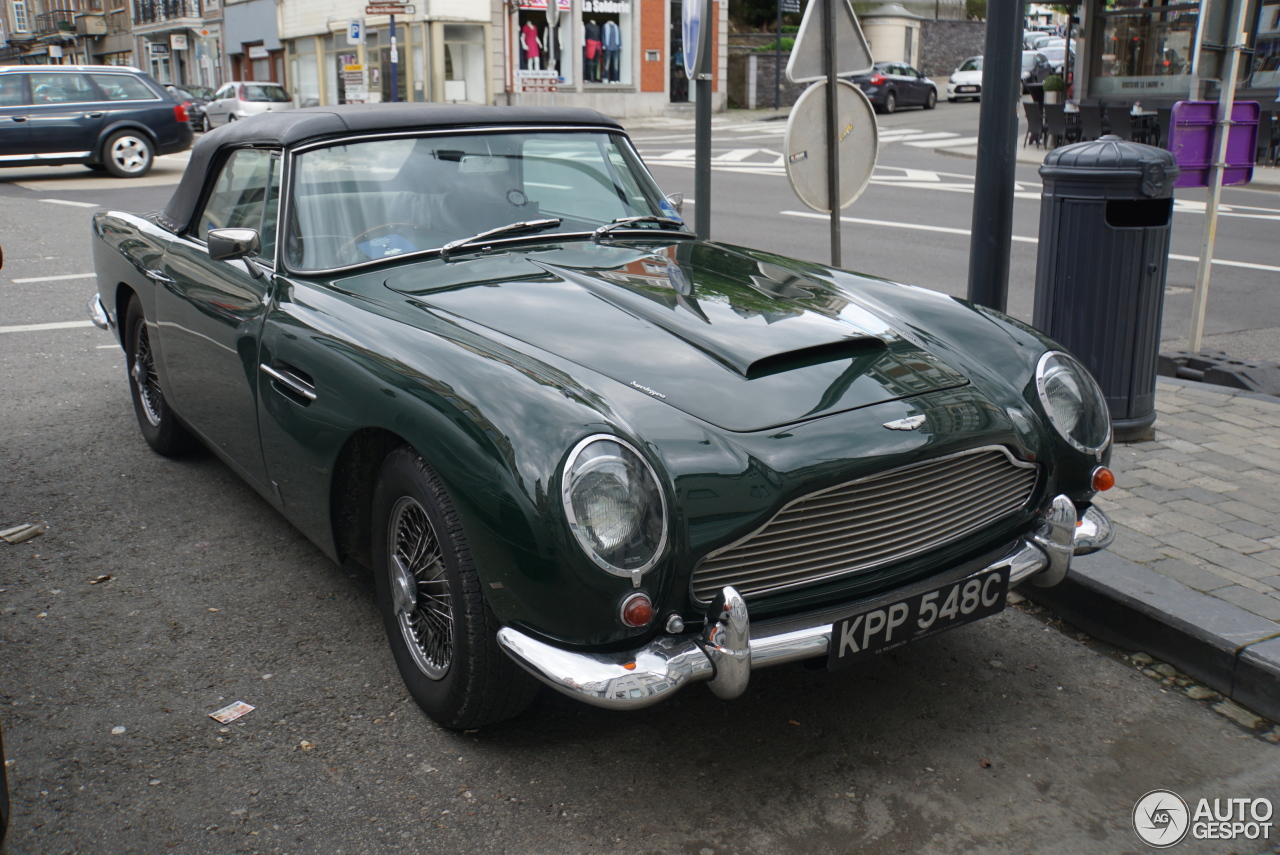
(724, 652)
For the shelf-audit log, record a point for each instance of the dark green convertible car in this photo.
(476, 351)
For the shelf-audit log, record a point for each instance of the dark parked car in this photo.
(475, 350)
(895, 84)
(1035, 68)
(195, 102)
(104, 116)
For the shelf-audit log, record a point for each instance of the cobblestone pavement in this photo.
(1201, 503)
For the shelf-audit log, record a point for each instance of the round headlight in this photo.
(614, 505)
(1073, 402)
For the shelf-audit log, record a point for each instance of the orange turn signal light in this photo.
(637, 610)
(1103, 479)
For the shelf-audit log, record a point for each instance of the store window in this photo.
(1145, 50)
(677, 81)
(606, 36)
(1266, 53)
(464, 51)
(343, 70)
(377, 52)
(534, 46)
(305, 73)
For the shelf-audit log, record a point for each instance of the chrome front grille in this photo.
(871, 522)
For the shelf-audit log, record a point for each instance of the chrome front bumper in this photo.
(724, 653)
(98, 313)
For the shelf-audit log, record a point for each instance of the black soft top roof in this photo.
(316, 123)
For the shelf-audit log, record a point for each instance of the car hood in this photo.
(737, 342)
(966, 77)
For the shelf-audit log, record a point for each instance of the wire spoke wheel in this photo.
(144, 375)
(420, 589)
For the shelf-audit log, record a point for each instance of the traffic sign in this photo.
(806, 145)
(389, 9)
(355, 32)
(695, 27)
(853, 56)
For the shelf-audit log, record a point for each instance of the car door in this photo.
(918, 87)
(210, 312)
(66, 114)
(14, 109)
(218, 107)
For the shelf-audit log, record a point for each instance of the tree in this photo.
(975, 10)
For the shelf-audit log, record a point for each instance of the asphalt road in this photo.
(1013, 735)
(915, 185)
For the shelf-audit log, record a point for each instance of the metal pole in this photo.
(833, 122)
(777, 63)
(1226, 100)
(997, 156)
(702, 126)
(395, 57)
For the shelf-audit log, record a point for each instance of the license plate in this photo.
(873, 632)
(966, 88)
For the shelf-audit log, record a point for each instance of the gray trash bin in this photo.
(1105, 216)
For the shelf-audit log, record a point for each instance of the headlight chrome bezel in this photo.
(1082, 373)
(582, 538)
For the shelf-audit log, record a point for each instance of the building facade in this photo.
(621, 57)
(1161, 51)
(439, 52)
(41, 32)
(252, 41)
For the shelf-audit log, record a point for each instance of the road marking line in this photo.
(54, 278)
(64, 325)
(1016, 238)
(914, 138)
(963, 141)
(69, 202)
(107, 347)
(736, 155)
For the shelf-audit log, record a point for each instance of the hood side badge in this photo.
(909, 423)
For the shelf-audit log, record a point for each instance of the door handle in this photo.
(292, 380)
(157, 276)
(19, 118)
(94, 115)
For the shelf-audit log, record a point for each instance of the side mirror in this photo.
(230, 244)
(677, 202)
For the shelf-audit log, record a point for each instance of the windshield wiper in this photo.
(509, 228)
(626, 221)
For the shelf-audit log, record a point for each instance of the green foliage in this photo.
(787, 44)
(759, 15)
(1053, 83)
(975, 10)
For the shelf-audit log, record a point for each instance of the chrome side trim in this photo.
(724, 652)
(290, 382)
(51, 155)
(98, 313)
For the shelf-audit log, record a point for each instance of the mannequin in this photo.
(611, 41)
(531, 46)
(593, 52)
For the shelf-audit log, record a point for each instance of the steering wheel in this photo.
(351, 244)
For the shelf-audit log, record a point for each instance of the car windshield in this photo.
(265, 92)
(974, 64)
(369, 201)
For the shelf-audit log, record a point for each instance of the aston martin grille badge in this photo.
(909, 423)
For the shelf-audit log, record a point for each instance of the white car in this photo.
(241, 99)
(966, 81)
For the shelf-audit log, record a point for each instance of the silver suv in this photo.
(107, 117)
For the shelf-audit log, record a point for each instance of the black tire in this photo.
(932, 100)
(442, 632)
(159, 425)
(205, 127)
(128, 154)
(891, 103)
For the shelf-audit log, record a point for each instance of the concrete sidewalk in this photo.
(1193, 577)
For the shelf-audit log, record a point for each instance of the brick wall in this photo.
(946, 44)
(653, 36)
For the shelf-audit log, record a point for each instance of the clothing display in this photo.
(530, 47)
(611, 41)
(593, 52)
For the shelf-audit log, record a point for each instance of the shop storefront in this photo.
(435, 61)
(1148, 52)
(621, 57)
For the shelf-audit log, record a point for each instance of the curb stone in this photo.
(1223, 646)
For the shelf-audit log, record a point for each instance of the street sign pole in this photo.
(394, 58)
(1226, 100)
(992, 233)
(696, 28)
(833, 129)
